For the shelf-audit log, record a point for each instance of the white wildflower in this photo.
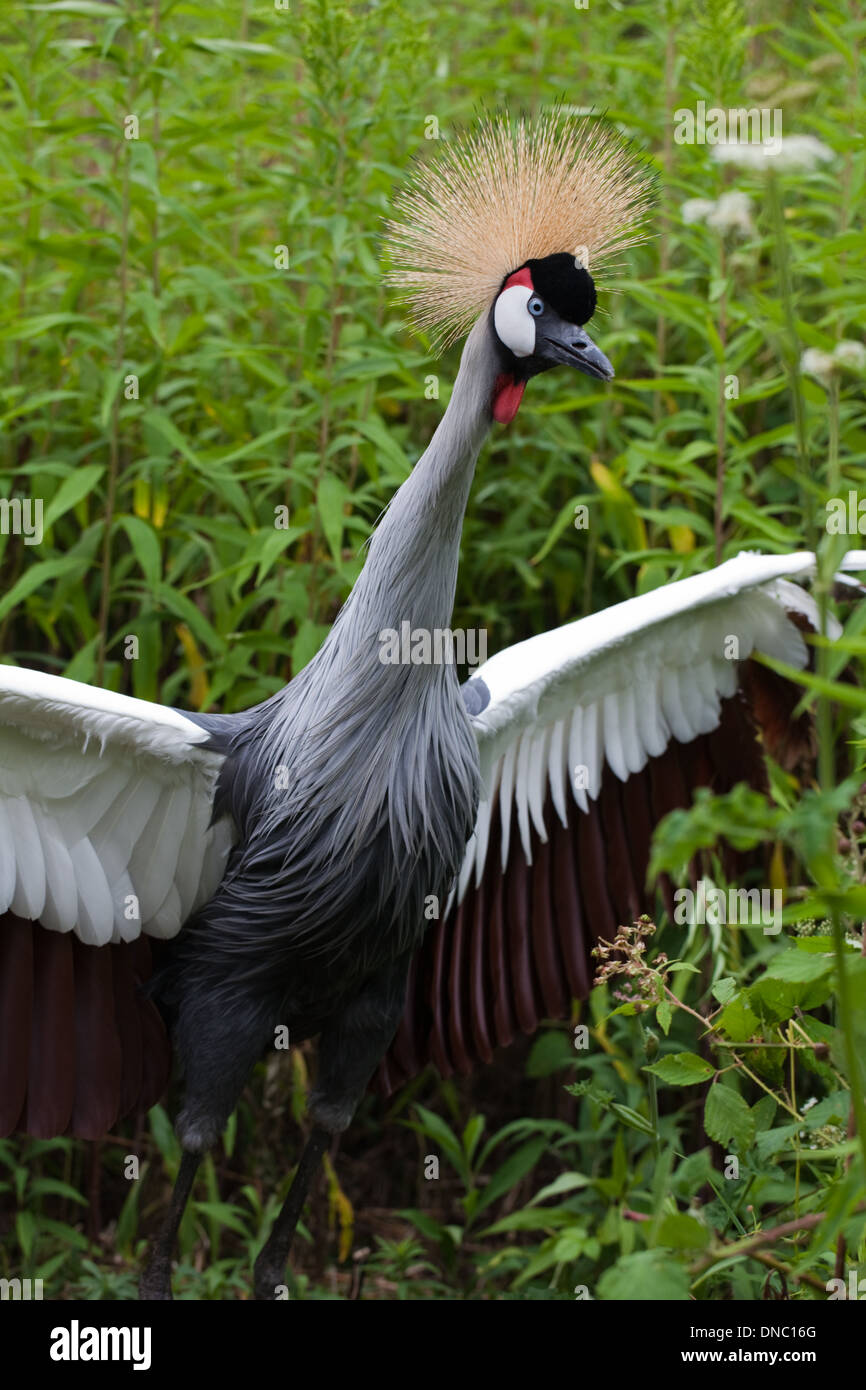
(803, 152)
(850, 355)
(791, 152)
(733, 212)
(697, 209)
(730, 212)
(818, 364)
(824, 366)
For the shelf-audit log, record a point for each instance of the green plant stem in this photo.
(114, 439)
(721, 408)
(652, 1092)
(792, 356)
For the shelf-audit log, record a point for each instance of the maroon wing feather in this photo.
(517, 949)
(80, 1047)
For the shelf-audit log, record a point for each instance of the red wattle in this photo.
(507, 395)
(520, 277)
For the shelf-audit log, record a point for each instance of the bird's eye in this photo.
(535, 306)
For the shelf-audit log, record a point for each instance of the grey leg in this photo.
(270, 1267)
(350, 1049)
(155, 1282)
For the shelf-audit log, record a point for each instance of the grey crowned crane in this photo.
(285, 858)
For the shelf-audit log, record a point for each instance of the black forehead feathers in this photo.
(567, 288)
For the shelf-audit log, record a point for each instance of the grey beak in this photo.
(574, 348)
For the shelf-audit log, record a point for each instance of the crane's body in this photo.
(288, 854)
(354, 792)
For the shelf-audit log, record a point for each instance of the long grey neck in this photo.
(411, 568)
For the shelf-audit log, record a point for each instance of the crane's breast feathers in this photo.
(105, 809)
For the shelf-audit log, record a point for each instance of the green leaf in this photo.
(127, 1222)
(743, 817)
(225, 1214)
(799, 967)
(386, 446)
(724, 989)
(71, 490)
(681, 1069)
(163, 1133)
(682, 1232)
(36, 575)
(515, 1167)
(54, 1187)
(566, 1182)
(162, 425)
(727, 1117)
(236, 46)
(773, 1141)
(472, 1133)
(530, 1219)
(145, 544)
(42, 323)
(647, 1276)
(446, 1236)
(82, 667)
(738, 1020)
(331, 499)
(272, 547)
(25, 1230)
(564, 518)
(63, 1233)
(230, 1134)
(560, 1249)
(664, 1015)
(779, 999)
(693, 1173)
(432, 1126)
(764, 1112)
(632, 1118)
(182, 606)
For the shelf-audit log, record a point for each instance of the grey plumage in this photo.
(354, 791)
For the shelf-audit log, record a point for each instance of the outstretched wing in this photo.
(590, 735)
(105, 840)
(105, 804)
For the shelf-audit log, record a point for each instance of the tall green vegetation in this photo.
(208, 387)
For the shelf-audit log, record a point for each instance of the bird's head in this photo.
(538, 320)
(503, 224)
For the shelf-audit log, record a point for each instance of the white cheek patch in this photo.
(515, 326)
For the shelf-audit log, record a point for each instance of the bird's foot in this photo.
(155, 1282)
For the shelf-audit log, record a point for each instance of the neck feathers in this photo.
(411, 569)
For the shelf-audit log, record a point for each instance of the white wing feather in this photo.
(616, 687)
(105, 806)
